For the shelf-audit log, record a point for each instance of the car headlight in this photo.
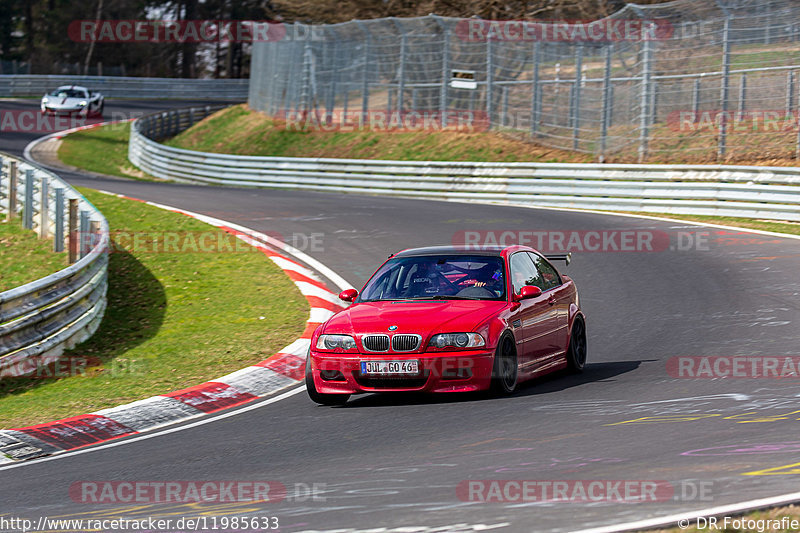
(332, 342)
(83, 103)
(457, 340)
(44, 100)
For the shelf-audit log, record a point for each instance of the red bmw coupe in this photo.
(450, 319)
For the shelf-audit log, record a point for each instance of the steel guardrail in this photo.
(16, 85)
(41, 319)
(739, 191)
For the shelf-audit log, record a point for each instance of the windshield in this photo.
(68, 93)
(456, 277)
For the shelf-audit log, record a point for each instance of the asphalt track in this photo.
(396, 461)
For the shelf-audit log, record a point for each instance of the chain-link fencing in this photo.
(681, 81)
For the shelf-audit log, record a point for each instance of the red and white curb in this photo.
(265, 378)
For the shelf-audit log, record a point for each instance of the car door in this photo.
(534, 319)
(558, 295)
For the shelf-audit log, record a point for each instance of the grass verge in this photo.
(174, 319)
(80, 149)
(237, 130)
(24, 257)
(778, 226)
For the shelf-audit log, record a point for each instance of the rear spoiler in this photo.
(567, 258)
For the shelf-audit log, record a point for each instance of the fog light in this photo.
(331, 375)
(457, 373)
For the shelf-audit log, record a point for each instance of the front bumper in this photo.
(63, 110)
(439, 372)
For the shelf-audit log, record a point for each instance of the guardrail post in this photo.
(576, 120)
(606, 112)
(72, 229)
(726, 75)
(94, 233)
(535, 90)
(44, 207)
(84, 233)
(58, 239)
(742, 94)
(12, 189)
(27, 219)
(644, 119)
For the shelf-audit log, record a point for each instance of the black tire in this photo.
(576, 353)
(322, 399)
(504, 369)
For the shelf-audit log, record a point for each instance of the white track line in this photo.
(673, 519)
(147, 436)
(641, 524)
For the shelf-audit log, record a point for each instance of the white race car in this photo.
(73, 99)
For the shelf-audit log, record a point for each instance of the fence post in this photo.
(644, 121)
(365, 79)
(27, 220)
(305, 97)
(331, 99)
(606, 113)
(58, 239)
(535, 89)
(72, 230)
(44, 207)
(726, 75)
(12, 189)
(84, 233)
(504, 97)
(445, 78)
(696, 100)
(797, 148)
(489, 80)
(576, 121)
(742, 93)
(789, 93)
(402, 72)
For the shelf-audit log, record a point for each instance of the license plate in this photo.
(389, 367)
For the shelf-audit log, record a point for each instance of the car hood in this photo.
(54, 101)
(423, 317)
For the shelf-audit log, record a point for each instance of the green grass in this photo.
(173, 320)
(81, 150)
(236, 130)
(24, 257)
(779, 226)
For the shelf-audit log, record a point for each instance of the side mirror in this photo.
(528, 291)
(351, 294)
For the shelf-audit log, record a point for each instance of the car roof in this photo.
(452, 250)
